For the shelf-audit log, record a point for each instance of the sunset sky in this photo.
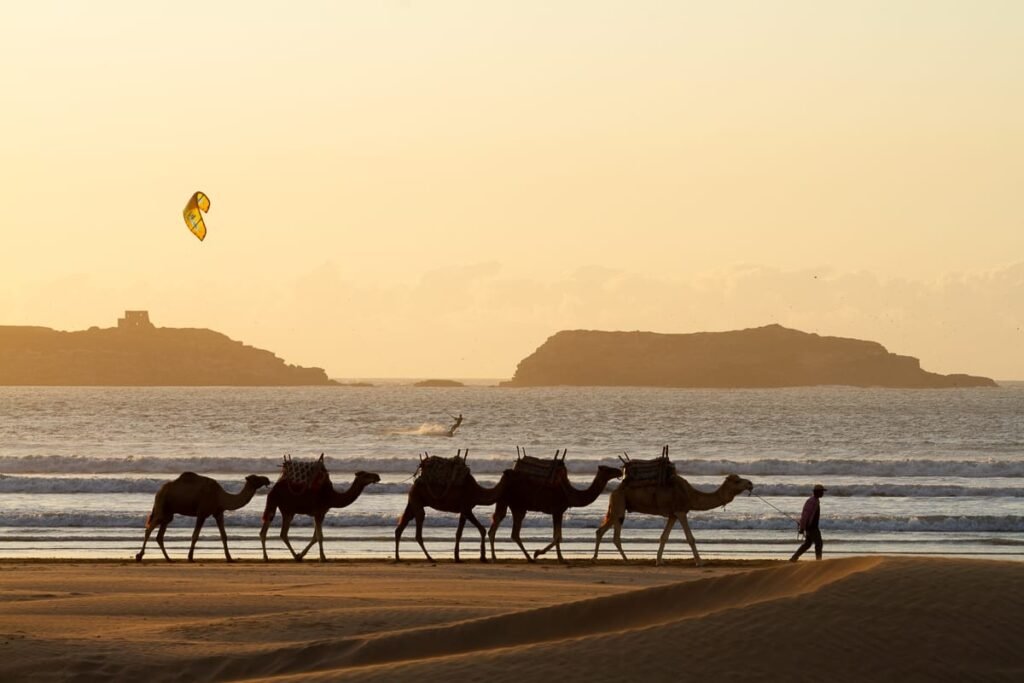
(411, 189)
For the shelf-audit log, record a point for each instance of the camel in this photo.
(459, 497)
(673, 500)
(528, 494)
(315, 503)
(196, 496)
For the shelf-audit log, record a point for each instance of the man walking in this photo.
(809, 524)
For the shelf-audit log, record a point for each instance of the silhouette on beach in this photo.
(196, 496)
(446, 484)
(808, 525)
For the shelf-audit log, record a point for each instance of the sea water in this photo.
(907, 471)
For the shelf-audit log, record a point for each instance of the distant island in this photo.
(762, 357)
(438, 383)
(137, 353)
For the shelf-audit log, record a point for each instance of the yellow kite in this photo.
(193, 218)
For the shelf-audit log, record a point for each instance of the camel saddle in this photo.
(303, 475)
(656, 472)
(546, 472)
(444, 471)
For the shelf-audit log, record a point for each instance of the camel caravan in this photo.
(651, 487)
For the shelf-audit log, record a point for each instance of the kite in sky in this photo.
(193, 213)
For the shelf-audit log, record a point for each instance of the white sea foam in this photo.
(425, 429)
(965, 468)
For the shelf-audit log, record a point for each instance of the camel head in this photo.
(368, 477)
(610, 472)
(735, 484)
(256, 481)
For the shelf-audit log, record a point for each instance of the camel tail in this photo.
(158, 504)
(269, 511)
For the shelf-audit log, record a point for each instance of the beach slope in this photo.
(871, 618)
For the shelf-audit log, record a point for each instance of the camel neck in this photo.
(583, 497)
(703, 500)
(484, 496)
(233, 501)
(340, 499)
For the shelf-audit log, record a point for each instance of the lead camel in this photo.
(673, 500)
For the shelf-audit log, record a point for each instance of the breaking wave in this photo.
(982, 468)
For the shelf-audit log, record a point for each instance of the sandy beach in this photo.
(863, 618)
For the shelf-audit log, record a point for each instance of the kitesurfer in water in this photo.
(458, 421)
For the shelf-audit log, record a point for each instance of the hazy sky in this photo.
(434, 188)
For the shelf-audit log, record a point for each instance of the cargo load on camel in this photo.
(545, 472)
(438, 471)
(303, 475)
(654, 472)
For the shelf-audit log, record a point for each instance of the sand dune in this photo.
(866, 618)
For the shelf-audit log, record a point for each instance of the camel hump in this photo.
(658, 471)
(437, 470)
(190, 477)
(304, 474)
(544, 471)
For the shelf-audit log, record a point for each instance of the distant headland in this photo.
(137, 353)
(762, 357)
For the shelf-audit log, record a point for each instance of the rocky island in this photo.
(762, 357)
(438, 383)
(136, 353)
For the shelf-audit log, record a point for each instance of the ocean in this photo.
(922, 472)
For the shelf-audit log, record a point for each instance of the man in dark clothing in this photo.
(809, 524)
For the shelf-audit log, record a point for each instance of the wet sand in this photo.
(862, 618)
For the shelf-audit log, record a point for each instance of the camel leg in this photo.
(614, 517)
(403, 521)
(318, 523)
(458, 535)
(670, 522)
(617, 538)
(483, 533)
(420, 516)
(605, 526)
(200, 519)
(263, 536)
(517, 524)
(499, 514)
(556, 538)
(219, 518)
(286, 524)
(312, 540)
(160, 538)
(145, 540)
(689, 537)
